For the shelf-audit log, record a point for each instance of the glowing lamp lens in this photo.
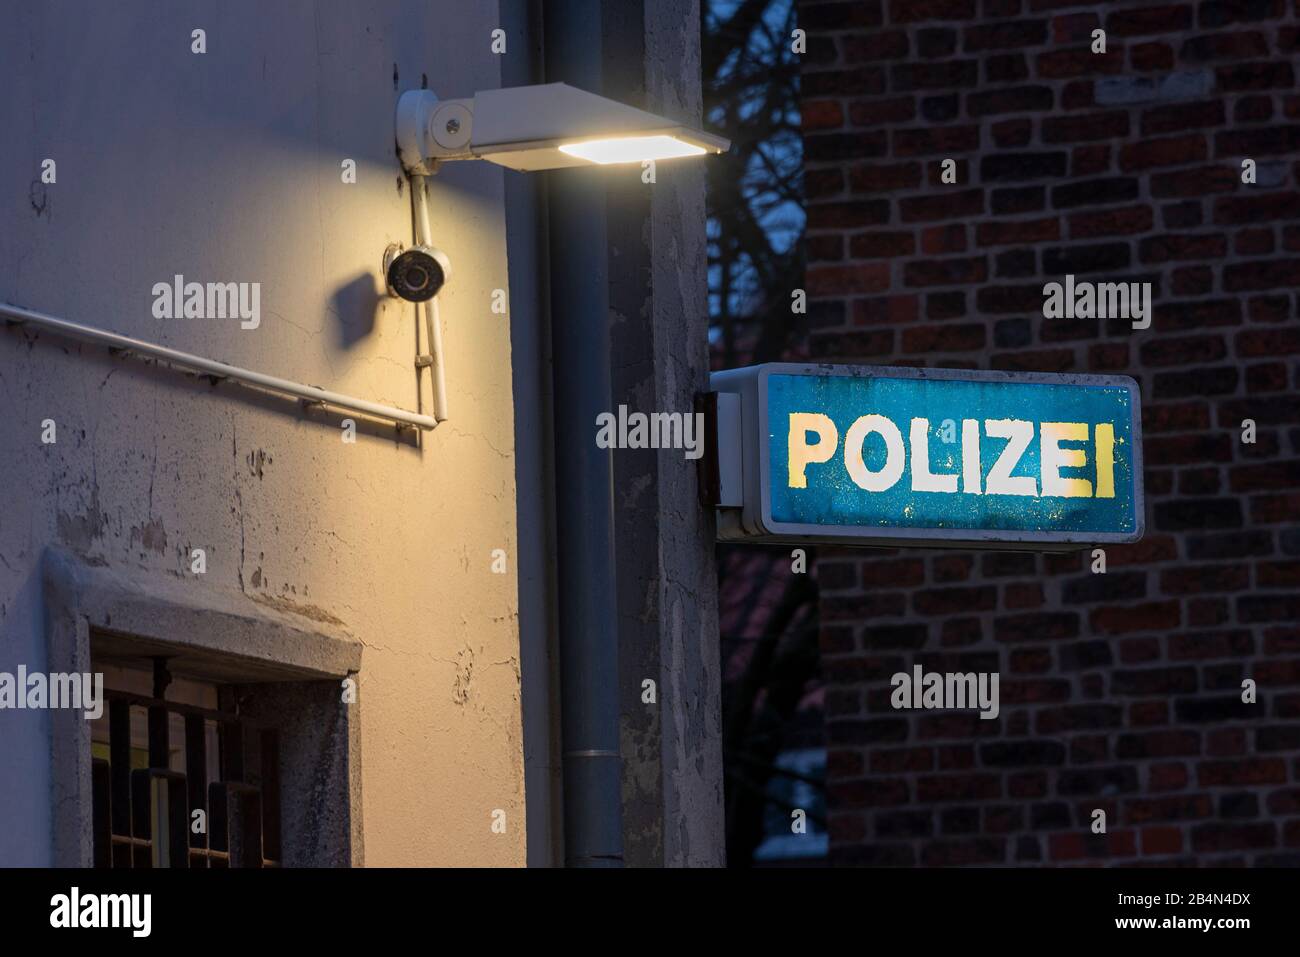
(631, 149)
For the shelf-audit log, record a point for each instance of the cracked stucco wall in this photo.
(226, 167)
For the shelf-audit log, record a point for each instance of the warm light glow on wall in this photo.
(631, 149)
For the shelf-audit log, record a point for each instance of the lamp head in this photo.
(529, 128)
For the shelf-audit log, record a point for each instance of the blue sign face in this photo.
(981, 457)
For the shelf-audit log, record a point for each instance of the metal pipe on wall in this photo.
(584, 475)
(223, 370)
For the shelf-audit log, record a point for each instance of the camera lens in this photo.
(416, 277)
(417, 274)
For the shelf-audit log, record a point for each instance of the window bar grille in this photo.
(143, 817)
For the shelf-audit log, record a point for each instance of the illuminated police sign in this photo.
(888, 456)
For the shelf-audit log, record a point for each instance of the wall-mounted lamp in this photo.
(532, 128)
(525, 128)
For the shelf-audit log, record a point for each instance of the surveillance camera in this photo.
(416, 274)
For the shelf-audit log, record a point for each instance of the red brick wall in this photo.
(1121, 691)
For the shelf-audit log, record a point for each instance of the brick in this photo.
(1001, 299)
(1021, 754)
(1078, 95)
(874, 45)
(1256, 142)
(1151, 57)
(848, 215)
(1172, 87)
(866, 732)
(893, 574)
(1277, 607)
(998, 35)
(901, 760)
(1183, 807)
(1261, 274)
(928, 142)
(1124, 221)
(944, 74)
(942, 205)
(1193, 281)
(917, 11)
(945, 305)
(1012, 200)
(1124, 619)
(999, 233)
(1006, 68)
(1111, 356)
(1074, 28)
(1222, 12)
(1269, 308)
(1090, 160)
(1092, 126)
(840, 16)
(852, 607)
(940, 109)
(1216, 837)
(1043, 626)
(862, 81)
(945, 272)
(1184, 351)
(1016, 99)
(1047, 360)
(1248, 771)
(821, 183)
(1203, 579)
(898, 109)
(1092, 781)
(1268, 342)
(822, 115)
(1194, 182)
(1264, 476)
(1262, 75)
(1278, 738)
(1224, 46)
(1153, 681)
(876, 343)
(1012, 133)
(1182, 116)
(1218, 380)
(1146, 20)
(883, 177)
(844, 146)
(1278, 574)
(1253, 109)
(1078, 61)
(1095, 192)
(1002, 167)
(891, 308)
(959, 787)
(865, 277)
(935, 42)
(1162, 249)
(1158, 744)
(1161, 840)
(1096, 257)
(944, 338)
(879, 245)
(1253, 242)
(1171, 151)
(1175, 417)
